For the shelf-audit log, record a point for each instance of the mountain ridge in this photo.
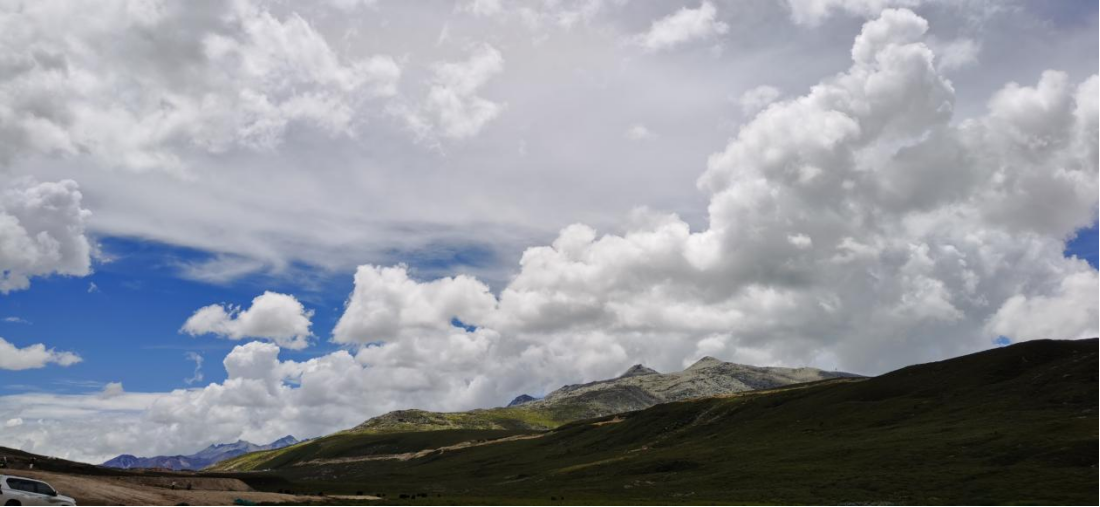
(637, 388)
(208, 456)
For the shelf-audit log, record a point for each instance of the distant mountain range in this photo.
(200, 460)
(636, 389)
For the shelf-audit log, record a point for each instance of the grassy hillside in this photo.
(398, 432)
(638, 388)
(1011, 425)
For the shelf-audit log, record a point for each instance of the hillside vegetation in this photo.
(638, 388)
(1011, 425)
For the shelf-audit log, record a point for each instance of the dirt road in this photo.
(100, 490)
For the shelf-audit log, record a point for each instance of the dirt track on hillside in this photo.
(405, 456)
(98, 490)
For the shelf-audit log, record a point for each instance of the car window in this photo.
(17, 484)
(22, 485)
(44, 489)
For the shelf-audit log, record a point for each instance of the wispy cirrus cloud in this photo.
(197, 376)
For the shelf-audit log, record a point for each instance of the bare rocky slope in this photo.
(641, 387)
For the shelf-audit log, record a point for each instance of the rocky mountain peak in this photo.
(521, 399)
(210, 455)
(638, 370)
(283, 442)
(706, 362)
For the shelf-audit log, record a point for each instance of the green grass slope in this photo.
(396, 432)
(1016, 425)
(639, 388)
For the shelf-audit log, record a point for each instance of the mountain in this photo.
(129, 461)
(637, 388)
(638, 370)
(202, 459)
(1012, 425)
(641, 387)
(521, 399)
(220, 452)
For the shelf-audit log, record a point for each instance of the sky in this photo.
(248, 219)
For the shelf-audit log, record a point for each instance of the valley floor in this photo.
(137, 490)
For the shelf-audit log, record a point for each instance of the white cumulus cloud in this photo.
(813, 12)
(683, 26)
(842, 223)
(277, 317)
(209, 79)
(1066, 310)
(32, 356)
(42, 232)
(756, 99)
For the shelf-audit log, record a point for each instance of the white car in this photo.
(24, 491)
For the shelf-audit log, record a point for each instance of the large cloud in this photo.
(210, 77)
(852, 227)
(32, 356)
(274, 121)
(277, 317)
(261, 400)
(42, 233)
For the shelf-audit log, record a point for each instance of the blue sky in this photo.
(1083, 245)
(127, 329)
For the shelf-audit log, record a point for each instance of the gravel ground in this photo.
(92, 490)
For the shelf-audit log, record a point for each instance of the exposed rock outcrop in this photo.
(638, 370)
(521, 399)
